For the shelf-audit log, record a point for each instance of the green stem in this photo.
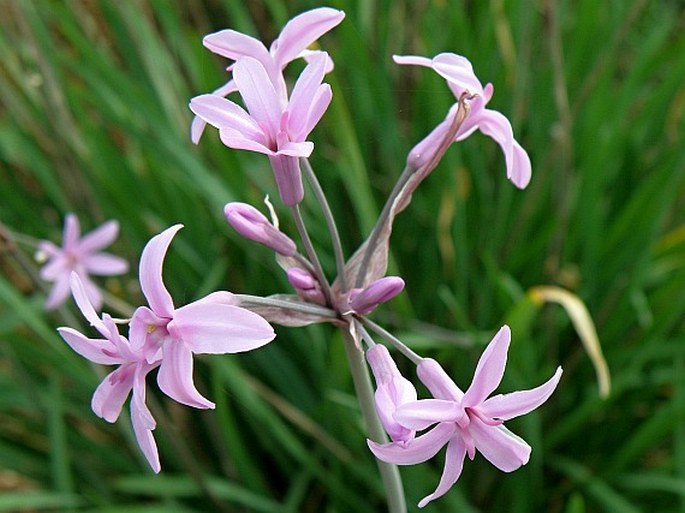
(364, 389)
(330, 222)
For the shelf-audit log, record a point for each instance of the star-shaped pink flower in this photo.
(465, 421)
(461, 79)
(80, 255)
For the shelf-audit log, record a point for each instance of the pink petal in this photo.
(59, 264)
(143, 422)
(150, 274)
(59, 292)
(233, 139)
(295, 149)
(509, 406)
(302, 31)
(234, 45)
(222, 113)
(437, 381)
(92, 290)
(520, 170)
(110, 395)
(421, 414)
(490, 369)
(288, 178)
(175, 377)
(454, 463)
(309, 55)
(413, 60)
(215, 328)
(388, 397)
(418, 450)
(72, 232)
(84, 304)
(197, 128)
(301, 98)
(99, 238)
(319, 104)
(258, 93)
(104, 264)
(96, 350)
(148, 333)
(501, 447)
(457, 70)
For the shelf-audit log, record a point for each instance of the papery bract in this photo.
(213, 325)
(466, 421)
(114, 349)
(298, 34)
(458, 72)
(80, 255)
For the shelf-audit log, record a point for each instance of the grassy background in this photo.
(94, 120)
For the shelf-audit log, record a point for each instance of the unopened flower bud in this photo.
(306, 285)
(392, 390)
(364, 301)
(252, 224)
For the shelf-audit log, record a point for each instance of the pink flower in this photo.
(299, 33)
(129, 377)
(466, 421)
(275, 126)
(392, 391)
(458, 72)
(211, 325)
(80, 255)
(365, 301)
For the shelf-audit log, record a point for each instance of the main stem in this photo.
(390, 474)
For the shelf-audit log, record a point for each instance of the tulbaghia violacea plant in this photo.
(277, 121)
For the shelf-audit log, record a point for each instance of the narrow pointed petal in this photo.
(319, 104)
(110, 395)
(215, 328)
(143, 422)
(420, 449)
(150, 273)
(301, 97)
(235, 140)
(458, 70)
(58, 265)
(222, 113)
(437, 381)
(421, 414)
(520, 170)
(413, 60)
(197, 128)
(302, 31)
(100, 351)
(175, 376)
(59, 292)
(104, 264)
(501, 447)
(99, 238)
(234, 45)
(84, 304)
(92, 290)
(515, 404)
(490, 368)
(72, 232)
(454, 463)
(258, 93)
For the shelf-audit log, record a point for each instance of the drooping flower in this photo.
(392, 390)
(275, 126)
(458, 72)
(211, 325)
(364, 301)
(466, 421)
(297, 35)
(252, 224)
(80, 255)
(115, 349)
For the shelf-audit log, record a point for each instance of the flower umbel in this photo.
(80, 255)
(466, 421)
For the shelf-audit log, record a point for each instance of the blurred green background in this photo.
(94, 120)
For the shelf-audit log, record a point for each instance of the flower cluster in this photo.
(277, 121)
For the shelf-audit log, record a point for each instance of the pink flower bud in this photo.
(392, 390)
(252, 224)
(306, 285)
(364, 301)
